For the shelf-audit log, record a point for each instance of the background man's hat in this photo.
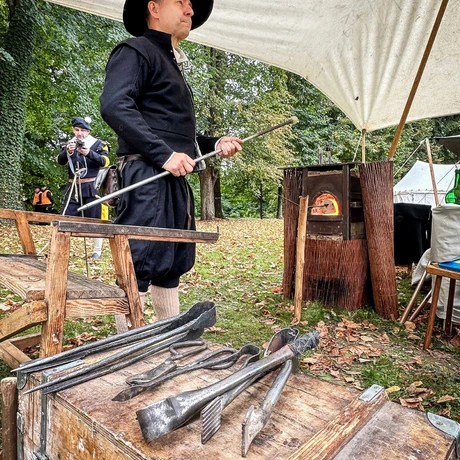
(135, 15)
(79, 122)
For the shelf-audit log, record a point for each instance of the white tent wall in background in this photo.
(417, 187)
(445, 245)
(363, 55)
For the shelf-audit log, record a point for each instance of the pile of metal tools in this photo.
(130, 347)
(180, 335)
(171, 413)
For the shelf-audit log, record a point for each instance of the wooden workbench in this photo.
(313, 419)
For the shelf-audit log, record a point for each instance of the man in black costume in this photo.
(149, 105)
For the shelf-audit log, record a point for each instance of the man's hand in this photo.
(179, 164)
(83, 150)
(71, 146)
(229, 145)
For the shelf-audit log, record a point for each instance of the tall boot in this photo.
(165, 301)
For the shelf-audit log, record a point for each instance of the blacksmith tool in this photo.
(222, 358)
(118, 340)
(211, 415)
(170, 364)
(133, 353)
(256, 419)
(165, 416)
(289, 121)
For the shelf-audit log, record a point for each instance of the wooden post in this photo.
(418, 77)
(300, 256)
(363, 146)
(9, 411)
(433, 178)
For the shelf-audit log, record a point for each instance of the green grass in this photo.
(242, 273)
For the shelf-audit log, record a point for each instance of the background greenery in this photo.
(52, 63)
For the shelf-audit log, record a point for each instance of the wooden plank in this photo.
(26, 278)
(126, 277)
(26, 316)
(12, 355)
(96, 307)
(25, 235)
(300, 257)
(55, 293)
(44, 217)
(400, 434)
(327, 442)
(26, 341)
(136, 232)
(9, 411)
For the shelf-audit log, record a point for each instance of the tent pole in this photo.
(363, 146)
(418, 77)
(433, 178)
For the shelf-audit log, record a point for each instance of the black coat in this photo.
(147, 102)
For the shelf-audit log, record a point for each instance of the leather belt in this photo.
(126, 158)
(84, 181)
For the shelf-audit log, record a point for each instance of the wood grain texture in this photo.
(25, 317)
(12, 355)
(325, 443)
(9, 411)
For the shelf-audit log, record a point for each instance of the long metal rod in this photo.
(418, 77)
(289, 121)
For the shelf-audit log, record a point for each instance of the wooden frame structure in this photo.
(52, 293)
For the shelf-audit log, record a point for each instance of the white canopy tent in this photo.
(417, 187)
(363, 55)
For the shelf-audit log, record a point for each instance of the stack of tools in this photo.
(171, 413)
(130, 347)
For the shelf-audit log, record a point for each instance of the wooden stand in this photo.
(433, 269)
(53, 294)
(313, 419)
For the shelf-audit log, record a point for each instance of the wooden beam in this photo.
(23, 318)
(418, 77)
(96, 307)
(328, 441)
(12, 355)
(9, 414)
(135, 232)
(433, 177)
(126, 277)
(55, 293)
(300, 257)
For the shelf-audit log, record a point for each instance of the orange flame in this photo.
(325, 204)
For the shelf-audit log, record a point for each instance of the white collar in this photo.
(180, 56)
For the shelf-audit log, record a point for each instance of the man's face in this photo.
(173, 17)
(80, 133)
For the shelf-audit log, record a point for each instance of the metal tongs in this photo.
(222, 358)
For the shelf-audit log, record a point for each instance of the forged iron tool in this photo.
(256, 419)
(133, 353)
(170, 364)
(165, 416)
(211, 415)
(222, 358)
(118, 340)
(289, 121)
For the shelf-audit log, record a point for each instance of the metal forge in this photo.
(336, 260)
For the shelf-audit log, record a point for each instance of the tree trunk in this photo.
(15, 72)
(279, 208)
(261, 201)
(207, 179)
(218, 196)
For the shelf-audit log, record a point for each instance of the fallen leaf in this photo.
(393, 389)
(409, 326)
(413, 337)
(365, 338)
(445, 398)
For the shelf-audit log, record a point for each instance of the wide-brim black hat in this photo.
(135, 15)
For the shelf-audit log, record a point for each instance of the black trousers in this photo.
(164, 203)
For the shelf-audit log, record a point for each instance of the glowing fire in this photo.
(325, 204)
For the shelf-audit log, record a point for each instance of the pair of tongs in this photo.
(211, 414)
(222, 358)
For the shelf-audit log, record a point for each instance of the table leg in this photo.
(434, 305)
(450, 307)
